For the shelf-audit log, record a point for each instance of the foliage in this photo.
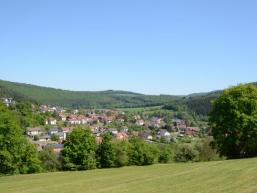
(185, 153)
(36, 138)
(55, 137)
(49, 160)
(79, 150)
(165, 154)
(141, 153)
(103, 99)
(105, 152)
(26, 114)
(206, 151)
(17, 155)
(234, 122)
(121, 153)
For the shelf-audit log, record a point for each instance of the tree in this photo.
(233, 121)
(17, 155)
(55, 137)
(79, 150)
(36, 138)
(206, 152)
(140, 153)
(121, 153)
(49, 160)
(105, 152)
(165, 154)
(185, 153)
(27, 116)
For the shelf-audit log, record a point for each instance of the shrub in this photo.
(105, 152)
(206, 152)
(185, 153)
(165, 154)
(49, 160)
(121, 153)
(141, 153)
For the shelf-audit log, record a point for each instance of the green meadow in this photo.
(205, 177)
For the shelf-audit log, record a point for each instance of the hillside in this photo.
(232, 176)
(77, 99)
(199, 103)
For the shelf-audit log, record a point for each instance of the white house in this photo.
(33, 131)
(140, 122)
(53, 131)
(44, 138)
(51, 121)
(164, 133)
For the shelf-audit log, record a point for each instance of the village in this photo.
(120, 125)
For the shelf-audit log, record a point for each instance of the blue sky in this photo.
(147, 46)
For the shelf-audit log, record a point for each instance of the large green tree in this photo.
(105, 152)
(17, 155)
(233, 121)
(79, 150)
(141, 153)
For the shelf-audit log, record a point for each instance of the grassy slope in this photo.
(210, 177)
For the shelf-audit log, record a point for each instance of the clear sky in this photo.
(147, 46)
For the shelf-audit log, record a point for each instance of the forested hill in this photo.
(80, 99)
(199, 103)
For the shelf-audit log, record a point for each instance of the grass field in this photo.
(209, 177)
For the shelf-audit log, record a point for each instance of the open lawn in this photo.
(210, 177)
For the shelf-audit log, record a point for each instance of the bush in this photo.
(121, 155)
(36, 138)
(55, 137)
(141, 153)
(206, 152)
(105, 152)
(165, 154)
(49, 160)
(185, 153)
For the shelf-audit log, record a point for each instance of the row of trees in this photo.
(82, 153)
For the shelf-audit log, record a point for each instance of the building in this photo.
(53, 131)
(62, 117)
(33, 132)
(51, 121)
(121, 136)
(8, 101)
(164, 133)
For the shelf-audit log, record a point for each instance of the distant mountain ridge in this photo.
(199, 103)
(80, 99)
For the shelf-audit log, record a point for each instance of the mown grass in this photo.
(208, 177)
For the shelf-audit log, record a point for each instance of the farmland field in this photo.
(207, 177)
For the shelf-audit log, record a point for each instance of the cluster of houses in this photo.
(8, 101)
(43, 138)
(100, 123)
(51, 109)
